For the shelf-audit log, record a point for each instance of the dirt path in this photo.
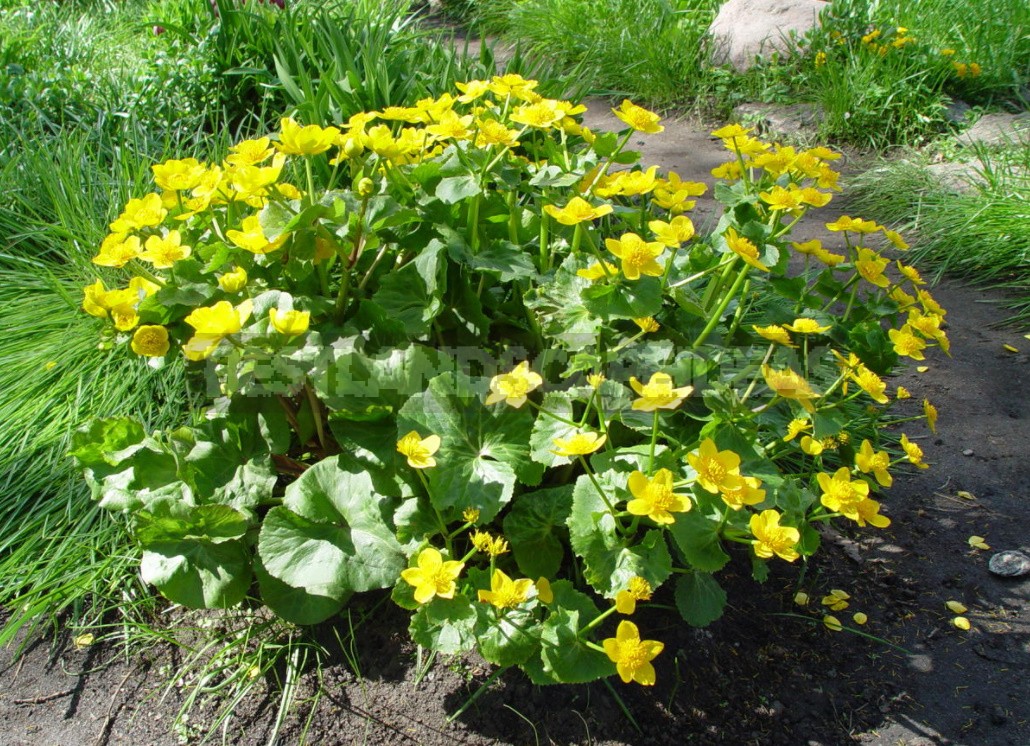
(758, 675)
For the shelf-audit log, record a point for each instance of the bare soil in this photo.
(768, 672)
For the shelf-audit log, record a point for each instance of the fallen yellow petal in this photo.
(860, 618)
(956, 607)
(832, 623)
(961, 622)
(923, 368)
(966, 495)
(978, 542)
(1010, 348)
(801, 598)
(83, 641)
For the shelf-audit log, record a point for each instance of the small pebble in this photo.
(1009, 564)
(967, 452)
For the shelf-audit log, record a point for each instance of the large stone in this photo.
(998, 129)
(745, 29)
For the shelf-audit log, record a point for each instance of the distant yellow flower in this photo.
(117, 250)
(731, 131)
(433, 577)
(870, 383)
(658, 393)
(638, 118)
(470, 515)
(895, 238)
(930, 412)
(578, 210)
(637, 590)
(295, 139)
(775, 334)
(596, 272)
(418, 450)
(252, 237)
(579, 444)
(715, 469)
(773, 539)
(513, 388)
(485, 542)
(631, 655)
(855, 225)
(178, 175)
(654, 497)
(790, 385)
(150, 341)
(876, 462)
(820, 59)
(506, 593)
(806, 326)
(744, 248)
(870, 266)
(290, 323)
(233, 281)
(595, 380)
(637, 255)
(913, 452)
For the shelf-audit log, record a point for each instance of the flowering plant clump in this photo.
(490, 365)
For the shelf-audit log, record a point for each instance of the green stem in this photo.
(600, 491)
(439, 518)
(717, 314)
(596, 622)
(715, 286)
(545, 250)
(473, 221)
(551, 414)
(739, 315)
(654, 441)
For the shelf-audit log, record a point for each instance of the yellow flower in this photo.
(579, 444)
(820, 59)
(658, 393)
(647, 325)
(807, 247)
(855, 225)
(631, 655)
(541, 115)
(295, 139)
(781, 199)
(595, 380)
(597, 272)
(124, 317)
(870, 383)
(654, 497)
(290, 323)
(638, 118)
(906, 343)
(868, 511)
(811, 446)
(795, 428)
(870, 266)
(150, 341)
(117, 250)
(790, 385)
(495, 546)
(418, 450)
(252, 237)
(451, 126)
(471, 515)
(433, 576)
(774, 333)
(178, 175)
(773, 539)
(233, 281)
(930, 412)
(877, 462)
(250, 152)
(842, 495)
(815, 198)
(715, 469)
(745, 492)
(212, 324)
(828, 258)
(978, 542)
(576, 211)
(472, 90)
(806, 326)
(492, 132)
(837, 600)
(731, 132)
(744, 248)
(511, 84)
(913, 452)
(506, 593)
(163, 252)
(729, 171)
(674, 233)
(637, 590)
(144, 212)
(512, 388)
(638, 256)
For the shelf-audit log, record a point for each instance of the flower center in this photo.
(632, 654)
(660, 496)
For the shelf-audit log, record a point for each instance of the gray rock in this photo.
(780, 119)
(998, 129)
(956, 109)
(1009, 564)
(744, 29)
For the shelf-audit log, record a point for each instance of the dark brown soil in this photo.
(768, 672)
